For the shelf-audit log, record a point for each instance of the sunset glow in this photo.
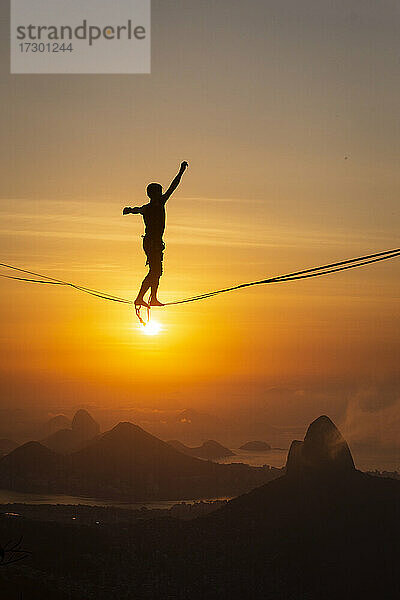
(293, 163)
(151, 328)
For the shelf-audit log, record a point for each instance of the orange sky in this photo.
(265, 105)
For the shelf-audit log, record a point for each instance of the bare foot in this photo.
(155, 302)
(141, 302)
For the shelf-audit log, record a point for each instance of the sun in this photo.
(151, 328)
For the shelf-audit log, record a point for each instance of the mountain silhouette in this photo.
(209, 450)
(56, 423)
(82, 429)
(255, 446)
(40, 430)
(323, 449)
(31, 467)
(133, 461)
(84, 424)
(127, 461)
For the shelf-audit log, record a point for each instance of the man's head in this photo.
(154, 191)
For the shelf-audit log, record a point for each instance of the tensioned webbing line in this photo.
(45, 279)
(304, 274)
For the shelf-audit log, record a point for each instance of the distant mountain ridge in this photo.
(82, 429)
(256, 446)
(127, 462)
(209, 450)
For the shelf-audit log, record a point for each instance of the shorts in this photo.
(154, 250)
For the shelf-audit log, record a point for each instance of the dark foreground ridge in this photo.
(323, 531)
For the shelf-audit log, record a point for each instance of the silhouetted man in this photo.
(154, 219)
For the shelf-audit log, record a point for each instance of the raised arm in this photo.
(137, 210)
(175, 181)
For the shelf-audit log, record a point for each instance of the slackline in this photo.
(335, 267)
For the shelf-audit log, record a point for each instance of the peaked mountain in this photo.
(40, 430)
(209, 450)
(56, 423)
(131, 461)
(82, 429)
(84, 424)
(323, 449)
(31, 467)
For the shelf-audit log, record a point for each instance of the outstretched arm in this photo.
(175, 182)
(137, 210)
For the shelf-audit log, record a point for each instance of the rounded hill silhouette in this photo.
(209, 450)
(324, 449)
